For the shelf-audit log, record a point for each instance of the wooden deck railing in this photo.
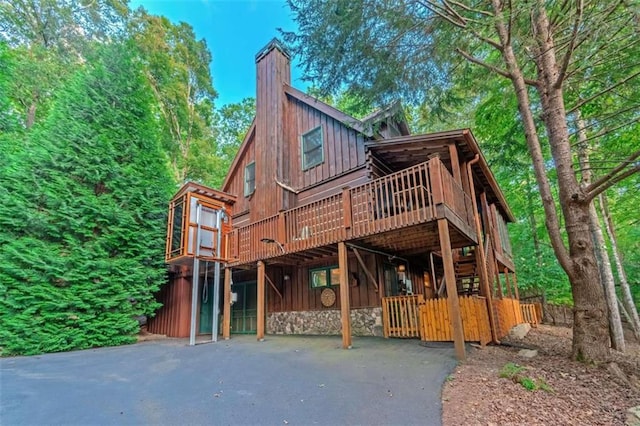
(400, 199)
(393, 201)
(314, 224)
(435, 320)
(401, 315)
(455, 197)
(245, 243)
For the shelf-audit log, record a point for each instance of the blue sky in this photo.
(235, 31)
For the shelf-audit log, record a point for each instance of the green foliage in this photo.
(83, 216)
(515, 372)
(177, 68)
(231, 124)
(510, 369)
(50, 39)
(9, 115)
(420, 51)
(66, 26)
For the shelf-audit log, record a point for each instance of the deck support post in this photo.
(226, 310)
(452, 291)
(195, 284)
(455, 163)
(481, 259)
(260, 308)
(345, 308)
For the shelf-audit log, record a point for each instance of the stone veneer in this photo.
(364, 322)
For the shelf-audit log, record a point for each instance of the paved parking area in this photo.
(291, 380)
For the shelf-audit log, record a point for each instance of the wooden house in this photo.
(356, 227)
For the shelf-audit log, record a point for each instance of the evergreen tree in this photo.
(82, 222)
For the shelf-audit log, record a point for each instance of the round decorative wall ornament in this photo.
(328, 297)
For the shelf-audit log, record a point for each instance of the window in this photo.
(249, 179)
(324, 277)
(312, 148)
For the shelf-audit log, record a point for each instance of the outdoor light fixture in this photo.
(272, 241)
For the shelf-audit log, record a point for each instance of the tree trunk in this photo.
(636, 331)
(533, 223)
(627, 298)
(31, 114)
(590, 331)
(604, 264)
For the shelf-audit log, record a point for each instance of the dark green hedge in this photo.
(83, 205)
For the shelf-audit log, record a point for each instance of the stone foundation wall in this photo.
(364, 322)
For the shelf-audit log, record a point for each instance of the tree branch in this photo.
(602, 92)
(609, 184)
(610, 178)
(429, 5)
(606, 131)
(572, 43)
(470, 9)
(503, 73)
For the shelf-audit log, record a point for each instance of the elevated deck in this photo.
(397, 212)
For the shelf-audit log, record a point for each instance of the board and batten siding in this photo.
(298, 295)
(343, 146)
(236, 182)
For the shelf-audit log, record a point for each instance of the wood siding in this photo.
(173, 318)
(235, 184)
(271, 147)
(343, 147)
(275, 146)
(298, 295)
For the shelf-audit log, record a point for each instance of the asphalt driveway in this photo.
(283, 380)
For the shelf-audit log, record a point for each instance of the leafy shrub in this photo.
(514, 372)
(83, 216)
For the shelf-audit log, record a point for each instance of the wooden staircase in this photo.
(467, 276)
(467, 273)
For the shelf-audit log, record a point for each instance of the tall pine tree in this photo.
(82, 221)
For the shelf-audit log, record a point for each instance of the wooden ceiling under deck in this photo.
(413, 240)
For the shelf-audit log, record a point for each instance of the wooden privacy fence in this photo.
(401, 315)
(531, 313)
(435, 320)
(508, 313)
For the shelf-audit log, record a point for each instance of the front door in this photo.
(244, 319)
(391, 287)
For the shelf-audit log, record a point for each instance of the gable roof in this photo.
(327, 109)
(405, 151)
(393, 110)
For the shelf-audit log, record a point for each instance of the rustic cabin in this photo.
(356, 227)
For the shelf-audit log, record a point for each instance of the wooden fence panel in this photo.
(508, 313)
(400, 315)
(530, 313)
(436, 320)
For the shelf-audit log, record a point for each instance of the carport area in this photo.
(284, 380)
